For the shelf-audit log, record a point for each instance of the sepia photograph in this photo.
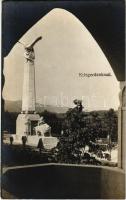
(63, 100)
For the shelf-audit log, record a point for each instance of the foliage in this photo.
(75, 129)
(97, 121)
(76, 134)
(54, 120)
(80, 129)
(9, 121)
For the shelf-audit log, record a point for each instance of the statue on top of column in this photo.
(29, 50)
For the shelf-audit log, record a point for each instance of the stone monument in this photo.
(28, 119)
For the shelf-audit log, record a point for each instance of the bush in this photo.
(76, 134)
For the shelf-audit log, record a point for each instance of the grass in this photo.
(14, 155)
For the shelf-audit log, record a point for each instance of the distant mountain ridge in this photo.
(15, 106)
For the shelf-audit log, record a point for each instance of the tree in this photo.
(9, 119)
(77, 132)
(54, 120)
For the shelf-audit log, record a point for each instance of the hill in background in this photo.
(15, 106)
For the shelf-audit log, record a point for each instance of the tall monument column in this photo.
(28, 113)
(29, 95)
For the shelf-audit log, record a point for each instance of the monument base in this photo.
(22, 128)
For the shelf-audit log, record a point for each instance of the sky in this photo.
(67, 48)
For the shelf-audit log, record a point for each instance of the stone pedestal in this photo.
(25, 124)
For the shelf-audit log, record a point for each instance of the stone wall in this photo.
(65, 181)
